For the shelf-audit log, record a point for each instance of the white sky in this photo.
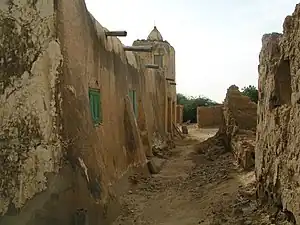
(217, 42)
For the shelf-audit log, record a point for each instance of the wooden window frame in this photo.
(95, 102)
(134, 102)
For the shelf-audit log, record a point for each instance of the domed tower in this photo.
(162, 55)
(155, 35)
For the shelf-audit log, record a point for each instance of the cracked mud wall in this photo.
(157, 92)
(209, 116)
(59, 168)
(102, 155)
(239, 126)
(277, 146)
(30, 142)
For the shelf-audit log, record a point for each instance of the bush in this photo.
(252, 92)
(190, 106)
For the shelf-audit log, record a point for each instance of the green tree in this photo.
(252, 92)
(190, 105)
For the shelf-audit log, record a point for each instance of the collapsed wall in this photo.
(239, 126)
(277, 147)
(209, 116)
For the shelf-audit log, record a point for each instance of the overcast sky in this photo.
(217, 42)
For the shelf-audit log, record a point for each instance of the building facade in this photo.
(79, 114)
(163, 55)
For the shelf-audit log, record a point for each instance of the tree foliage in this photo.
(252, 92)
(190, 105)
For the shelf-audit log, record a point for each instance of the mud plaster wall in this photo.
(30, 60)
(277, 148)
(94, 61)
(168, 52)
(62, 51)
(179, 114)
(157, 89)
(239, 125)
(155, 104)
(209, 116)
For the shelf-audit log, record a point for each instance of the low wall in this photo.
(209, 116)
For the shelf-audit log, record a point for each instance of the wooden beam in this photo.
(152, 66)
(172, 83)
(178, 131)
(116, 33)
(138, 48)
(170, 79)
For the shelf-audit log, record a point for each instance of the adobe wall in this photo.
(239, 126)
(159, 90)
(58, 167)
(109, 151)
(277, 146)
(154, 89)
(209, 116)
(179, 114)
(30, 143)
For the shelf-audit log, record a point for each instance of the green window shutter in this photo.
(131, 96)
(133, 99)
(135, 103)
(91, 104)
(95, 106)
(100, 108)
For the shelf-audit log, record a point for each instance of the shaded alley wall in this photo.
(179, 114)
(277, 147)
(209, 116)
(161, 92)
(239, 126)
(66, 167)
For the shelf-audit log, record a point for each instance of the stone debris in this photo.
(184, 129)
(155, 164)
(193, 187)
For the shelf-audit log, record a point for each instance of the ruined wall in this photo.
(277, 146)
(209, 116)
(30, 143)
(239, 125)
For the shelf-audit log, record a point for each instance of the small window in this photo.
(132, 95)
(158, 60)
(95, 106)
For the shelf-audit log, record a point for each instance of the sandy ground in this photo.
(193, 188)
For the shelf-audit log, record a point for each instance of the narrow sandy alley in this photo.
(195, 188)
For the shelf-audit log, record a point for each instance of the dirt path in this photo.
(194, 188)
